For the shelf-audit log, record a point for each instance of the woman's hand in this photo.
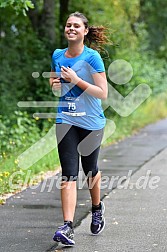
(69, 75)
(55, 83)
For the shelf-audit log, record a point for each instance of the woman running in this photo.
(80, 121)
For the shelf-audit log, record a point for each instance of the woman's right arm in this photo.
(54, 81)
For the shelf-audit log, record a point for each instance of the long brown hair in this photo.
(97, 36)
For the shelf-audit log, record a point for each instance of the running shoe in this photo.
(98, 220)
(65, 235)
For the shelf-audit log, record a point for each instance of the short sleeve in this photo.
(52, 65)
(96, 63)
(52, 62)
(57, 53)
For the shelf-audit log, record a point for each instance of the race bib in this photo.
(73, 106)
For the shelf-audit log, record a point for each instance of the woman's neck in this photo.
(74, 50)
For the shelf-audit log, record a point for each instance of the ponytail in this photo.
(97, 37)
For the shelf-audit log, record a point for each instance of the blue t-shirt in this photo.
(77, 107)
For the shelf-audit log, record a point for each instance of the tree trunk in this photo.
(47, 22)
(44, 22)
(33, 15)
(63, 14)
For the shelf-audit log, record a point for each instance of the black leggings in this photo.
(74, 142)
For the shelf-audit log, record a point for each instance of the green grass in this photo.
(152, 110)
(11, 173)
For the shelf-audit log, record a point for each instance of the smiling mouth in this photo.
(71, 33)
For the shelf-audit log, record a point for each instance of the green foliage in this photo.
(148, 112)
(153, 14)
(17, 131)
(13, 178)
(22, 53)
(18, 6)
(147, 69)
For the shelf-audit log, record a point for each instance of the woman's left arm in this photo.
(99, 90)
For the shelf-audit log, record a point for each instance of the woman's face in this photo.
(75, 29)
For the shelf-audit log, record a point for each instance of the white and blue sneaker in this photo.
(98, 220)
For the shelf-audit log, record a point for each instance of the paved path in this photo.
(136, 218)
(136, 214)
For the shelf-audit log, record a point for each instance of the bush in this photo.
(147, 69)
(17, 131)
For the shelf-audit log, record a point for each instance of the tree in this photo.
(43, 21)
(18, 6)
(153, 16)
(62, 18)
